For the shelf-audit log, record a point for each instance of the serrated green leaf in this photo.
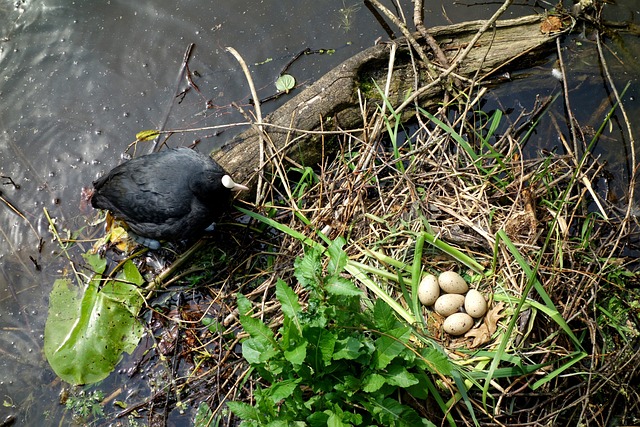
(244, 411)
(289, 303)
(244, 305)
(337, 285)
(337, 256)
(384, 317)
(308, 269)
(389, 346)
(147, 135)
(437, 361)
(257, 330)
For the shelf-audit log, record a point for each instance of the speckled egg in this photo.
(452, 283)
(457, 324)
(448, 304)
(474, 304)
(428, 290)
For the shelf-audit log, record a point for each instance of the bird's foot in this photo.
(152, 244)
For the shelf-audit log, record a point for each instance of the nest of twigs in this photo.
(540, 237)
(529, 224)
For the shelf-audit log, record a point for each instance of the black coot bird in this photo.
(173, 194)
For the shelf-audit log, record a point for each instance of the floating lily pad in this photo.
(89, 327)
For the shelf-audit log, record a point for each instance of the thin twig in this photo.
(567, 104)
(418, 21)
(632, 143)
(459, 59)
(405, 32)
(254, 94)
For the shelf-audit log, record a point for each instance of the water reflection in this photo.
(78, 80)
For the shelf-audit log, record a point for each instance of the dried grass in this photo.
(379, 201)
(544, 237)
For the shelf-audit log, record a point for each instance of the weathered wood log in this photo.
(333, 100)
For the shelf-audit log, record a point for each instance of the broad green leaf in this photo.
(296, 355)
(321, 346)
(335, 420)
(349, 383)
(89, 328)
(387, 412)
(348, 348)
(372, 383)
(292, 342)
(318, 419)
(327, 344)
(96, 262)
(257, 351)
(337, 285)
(390, 345)
(284, 423)
(398, 375)
(283, 389)
(131, 274)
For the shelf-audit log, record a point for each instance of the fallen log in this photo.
(332, 102)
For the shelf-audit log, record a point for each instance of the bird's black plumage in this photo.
(170, 195)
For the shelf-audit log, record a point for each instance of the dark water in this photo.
(78, 80)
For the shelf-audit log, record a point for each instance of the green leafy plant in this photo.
(333, 362)
(203, 416)
(85, 405)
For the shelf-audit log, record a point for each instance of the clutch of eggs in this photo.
(459, 304)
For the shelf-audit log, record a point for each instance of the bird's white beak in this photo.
(230, 184)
